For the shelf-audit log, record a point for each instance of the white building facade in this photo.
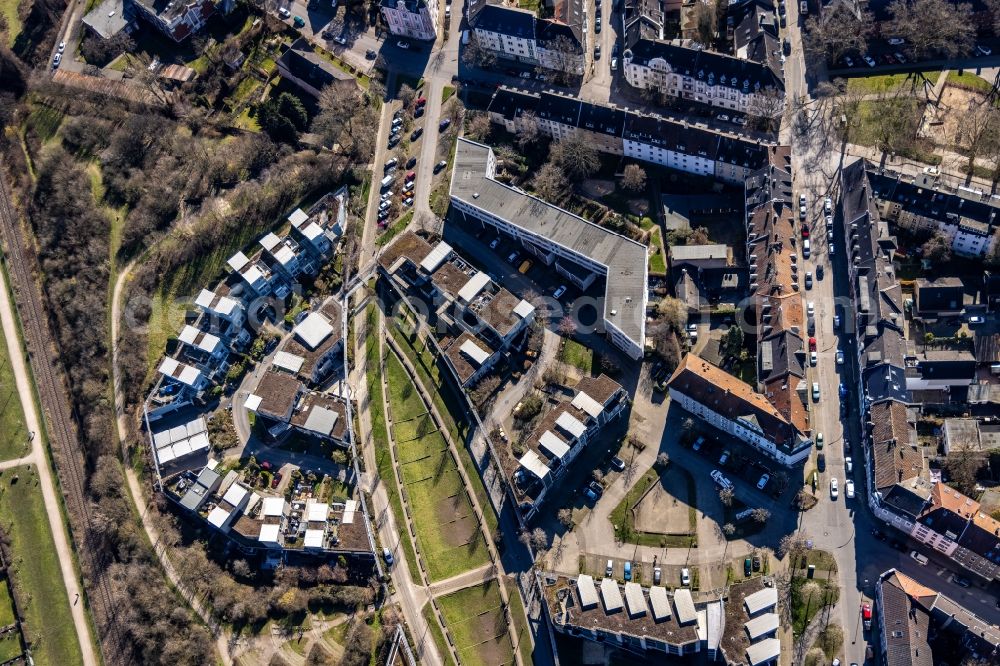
(413, 19)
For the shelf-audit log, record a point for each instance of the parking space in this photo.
(756, 481)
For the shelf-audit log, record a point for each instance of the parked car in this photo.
(756, 562)
(628, 571)
(410, 163)
(494, 243)
(559, 291)
(848, 61)
(698, 443)
(443, 125)
(62, 46)
(827, 207)
(596, 487)
(56, 60)
(408, 201)
(298, 21)
(899, 56)
(440, 165)
(747, 567)
(848, 465)
(815, 391)
(387, 556)
(806, 248)
(819, 440)
(597, 52)
(896, 41)
(685, 577)
(813, 359)
(720, 480)
(812, 344)
(723, 117)
(724, 458)
(834, 488)
(370, 54)
(415, 134)
(276, 480)
(403, 45)
(961, 581)
(866, 615)
(919, 557)
(657, 575)
(391, 163)
(284, 13)
(849, 489)
(868, 60)
(618, 463)
(609, 570)
(763, 481)
(512, 258)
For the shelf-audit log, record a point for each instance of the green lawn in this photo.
(395, 229)
(520, 622)
(577, 355)
(435, 493)
(446, 93)
(35, 572)
(6, 607)
(14, 443)
(531, 5)
(804, 608)
(9, 10)
(10, 646)
(475, 618)
(887, 82)
(449, 405)
(437, 635)
(864, 129)
(380, 435)
(969, 80)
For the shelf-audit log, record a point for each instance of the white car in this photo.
(763, 481)
(848, 61)
(815, 391)
(840, 357)
(813, 360)
(848, 465)
(829, 237)
(849, 490)
(62, 46)
(868, 60)
(525, 75)
(833, 488)
(896, 41)
(614, 63)
(284, 13)
(685, 577)
(723, 117)
(827, 206)
(833, 249)
(811, 308)
(559, 292)
(403, 45)
(57, 60)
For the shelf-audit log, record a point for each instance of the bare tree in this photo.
(765, 108)
(565, 517)
(761, 515)
(406, 95)
(792, 544)
(551, 183)
(726, 496)
(634, 178)
(963, 468)
(598, 475)
(932, 27)
(567, 326)
(937, 250)
(978, 127)
(837, 32)
(662, 459)
(477, 55)
(672, 312)
(729, 529)
(576, 156)
(562, 60)
(705, 21)
(527, 129)
(479, 127)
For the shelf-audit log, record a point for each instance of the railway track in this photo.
(60, 424)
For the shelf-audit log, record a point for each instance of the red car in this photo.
(866, 615)
(805, 231)
(812, 344)
(276, 480)
(420, 101)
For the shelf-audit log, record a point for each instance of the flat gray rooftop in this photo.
(625, 260)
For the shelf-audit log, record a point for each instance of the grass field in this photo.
(10, 646)
(476, 621)
(6, 607)
(887, 82)
(437, 635)
(520, 622)
(447, 529)
(864, 130)
(9, 10)
(448, 404)
(35, 570)
(14, 443)
(380, 435)
(969, 80)
(577, 355)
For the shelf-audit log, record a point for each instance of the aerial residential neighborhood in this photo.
(500, 332)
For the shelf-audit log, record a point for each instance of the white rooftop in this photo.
(435, 257)
(659, 602)
(220, 304)
(571, 424)
(253, 275)
(531, 462)
(588, 593)
(182, 372)
(350, 508)
(273, 507)
(235, 494)
(317, 511)
(474, 352)
(766, 651)
(472, 288)
(634, 600)
(313, 330)
(313, 539)
(298, 217)
(684, 605)
(611, 594)
(218, 516)
(321, 420)
(270, 241)
(285, 255)
(190, 336)
(762, 625)
(253, 402)
(289, 362)
(524, 309)
(312, 231)
(238, 261)
(269, 533)
(761, 600)
(551, 443)
(585, 403)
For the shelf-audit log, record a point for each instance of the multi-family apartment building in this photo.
(916, 625)
(578, 250)
(560, 436)
(310, 72)
(924, 204)
(284, 404)
(701, 76)
(648, 138)
(518, 35)
(736, 408)
(413, 19)
(474, 320)
(178, 19)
